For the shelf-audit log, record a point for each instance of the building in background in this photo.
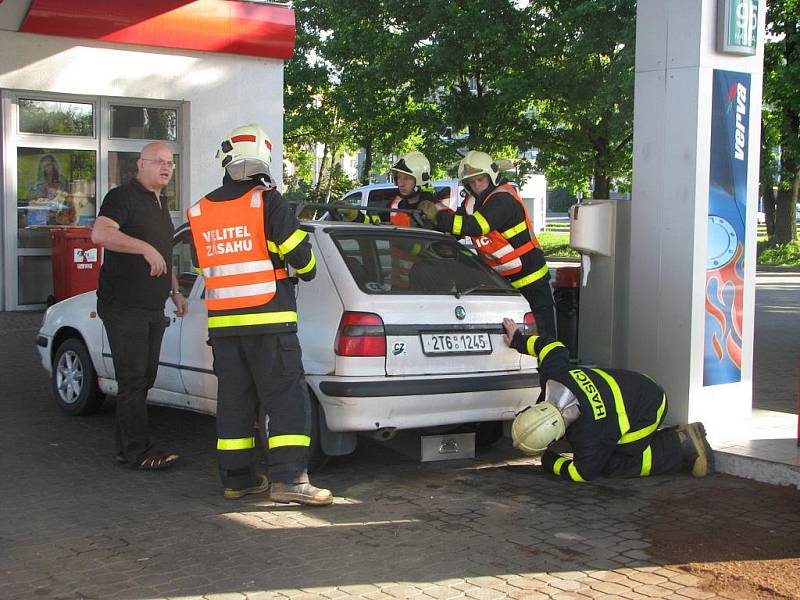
(85, 84)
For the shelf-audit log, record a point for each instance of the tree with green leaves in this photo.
(497, 75)
(582, 77)
(781, 120)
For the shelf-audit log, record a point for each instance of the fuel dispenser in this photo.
(600, 231)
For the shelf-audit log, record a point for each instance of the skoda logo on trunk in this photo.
(460, 313)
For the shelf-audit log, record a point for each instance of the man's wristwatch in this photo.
(174, 292)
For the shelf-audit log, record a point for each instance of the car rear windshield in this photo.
(393, 262)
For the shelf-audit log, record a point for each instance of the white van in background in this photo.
(379, 195)
(451, 192)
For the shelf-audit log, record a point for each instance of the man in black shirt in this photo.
(135, 228)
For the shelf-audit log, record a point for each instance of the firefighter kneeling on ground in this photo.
(244, 235)
(610, 418)
(495, 217)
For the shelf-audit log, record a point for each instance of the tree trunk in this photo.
(321, 171)
(602, 186)
(330, 175)
(768, 193)
(366, 168)
(766, 184)
(795, 200)
(785, 217)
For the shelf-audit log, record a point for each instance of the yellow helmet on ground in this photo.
(478, 163)
(417, 166)
(537, 427)
(247, 151)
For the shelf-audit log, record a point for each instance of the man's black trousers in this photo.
(135, 337)
(260, 374)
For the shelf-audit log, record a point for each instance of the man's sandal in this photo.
(156, 462)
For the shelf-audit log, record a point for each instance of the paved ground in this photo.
(776, 362)
(75, 525)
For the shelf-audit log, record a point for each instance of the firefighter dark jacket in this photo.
(616, 407)
(274, 228)
(497, 211)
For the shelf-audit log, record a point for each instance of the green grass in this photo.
(782, 255)
(556, 245)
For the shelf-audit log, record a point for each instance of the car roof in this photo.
(309, 224)
(388, 185)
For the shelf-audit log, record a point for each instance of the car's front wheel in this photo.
(74, 379)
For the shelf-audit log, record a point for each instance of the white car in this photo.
(378, 356)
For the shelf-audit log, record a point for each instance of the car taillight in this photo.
(360, 334)
(529, 325)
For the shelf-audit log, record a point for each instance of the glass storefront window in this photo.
(55, 188)
(122, 168)
(56, 118)
(37, 283)
(144, 123)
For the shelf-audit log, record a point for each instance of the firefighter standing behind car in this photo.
(609, 416)
(495, 217)
(411, 174)
(244, 235)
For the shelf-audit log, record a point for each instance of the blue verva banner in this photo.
(727, 207)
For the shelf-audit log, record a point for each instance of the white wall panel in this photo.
(223, 91)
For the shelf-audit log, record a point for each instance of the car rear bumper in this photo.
(411, 387)
(405, 403)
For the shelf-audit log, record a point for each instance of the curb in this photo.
(765, 471)
(777, 269)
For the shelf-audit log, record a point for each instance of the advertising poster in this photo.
(727, 209)
(55, 187)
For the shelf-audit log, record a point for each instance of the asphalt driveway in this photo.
(77, 525)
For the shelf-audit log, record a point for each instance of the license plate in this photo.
(456, 343)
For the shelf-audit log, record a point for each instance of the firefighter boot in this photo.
(261, 486)
(696, 451)
(302, 493)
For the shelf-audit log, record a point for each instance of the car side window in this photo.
(182, 262)
(353, 199)
(381, 199)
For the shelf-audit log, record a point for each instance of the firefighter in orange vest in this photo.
(244, 236)
(411, 174)
(495, 217)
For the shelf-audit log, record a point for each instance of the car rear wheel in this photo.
(74, 379)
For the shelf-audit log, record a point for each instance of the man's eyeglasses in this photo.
(161, 163)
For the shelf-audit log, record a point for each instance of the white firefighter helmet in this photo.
(536, 427)
(417, 165)
(478, 163)
(247, 151)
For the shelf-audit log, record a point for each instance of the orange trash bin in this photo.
(76, 262)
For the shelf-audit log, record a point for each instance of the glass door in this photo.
(61, 154)
(51, 182)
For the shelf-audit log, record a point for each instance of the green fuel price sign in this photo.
(737, 26)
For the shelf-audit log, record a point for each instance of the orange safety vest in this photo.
(494, 247)
(402, 259)
(231, 247)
